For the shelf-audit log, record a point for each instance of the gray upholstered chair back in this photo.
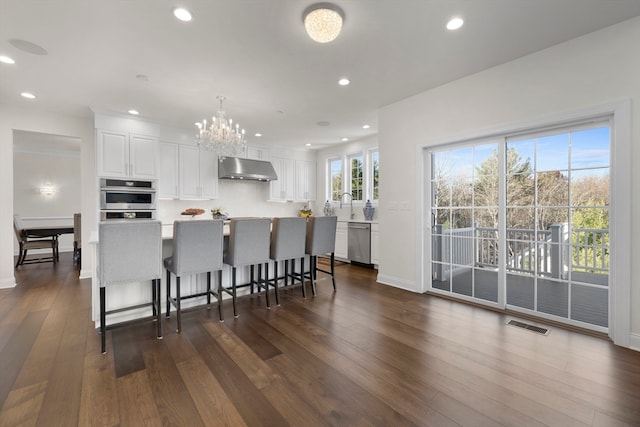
(249, 241)
(288, 238)
(197, 246)
(129, 251)
(321, 235)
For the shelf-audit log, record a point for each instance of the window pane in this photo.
(335, 179)
(357, 177)
(552, 188)
(375, 166)
(553, 153)
(590, 148)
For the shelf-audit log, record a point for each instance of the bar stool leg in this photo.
(168, 310)
(275, 280)
(219, 295)
(158, 285)
(233, 294)
(178, 312)
(286, 273)
(103, 320)
(333, 277)
(302, 281)
(264, 281)
(312, 270)
(154, 307)
(251, 277)
(208, 290)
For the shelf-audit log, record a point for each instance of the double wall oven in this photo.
(127, 199)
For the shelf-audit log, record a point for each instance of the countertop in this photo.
(358, 220)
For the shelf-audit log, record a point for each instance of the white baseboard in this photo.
(634, 342)
(85, 274)
(7, 282)
(396, 282)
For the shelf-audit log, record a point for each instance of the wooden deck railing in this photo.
(551, 253)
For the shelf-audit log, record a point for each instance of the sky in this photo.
(581, 149)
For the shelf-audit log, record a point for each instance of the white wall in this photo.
(236, 198)
(595, 69)
(339, 150)
(29, 119)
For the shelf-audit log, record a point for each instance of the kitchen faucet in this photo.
(350, 198)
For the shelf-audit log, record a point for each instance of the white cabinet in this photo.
(168, 175)
(125, 155)
(296, 180)
(282, 189)
(257, 153)
(198, 173)
(375, 249)
(305, 181)
(342, 242)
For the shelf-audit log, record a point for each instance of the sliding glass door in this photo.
(523, 222)
(465, 213)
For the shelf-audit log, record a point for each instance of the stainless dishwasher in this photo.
(359, 238)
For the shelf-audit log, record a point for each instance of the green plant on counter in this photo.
(218, 213)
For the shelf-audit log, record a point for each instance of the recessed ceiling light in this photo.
(258, 135)
(345, 139)
(182, 14)
(455, 23)
(133, 112)
(343, 81)
(366, 127)
(307, 144)
(28, 95)
(6, 60)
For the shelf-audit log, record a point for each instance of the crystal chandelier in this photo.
(221, 136)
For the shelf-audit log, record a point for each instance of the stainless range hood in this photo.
(246, 169)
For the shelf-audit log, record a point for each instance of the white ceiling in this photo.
(255, 52)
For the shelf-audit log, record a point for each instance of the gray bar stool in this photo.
(197, 248)
(248, 245)
(321, 240)
(129, 252)
(288, 243)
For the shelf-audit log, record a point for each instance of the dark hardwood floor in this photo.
(366, 355)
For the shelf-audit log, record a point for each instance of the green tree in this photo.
(356, 178)
(519, 188)
(590, 237)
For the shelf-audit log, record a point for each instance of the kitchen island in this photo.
(134, 293)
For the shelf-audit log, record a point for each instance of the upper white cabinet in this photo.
(257, 152)
(296, 179)
(282, 189)
(305, 181)
(125, 155)
(198, 173)
(168, 175)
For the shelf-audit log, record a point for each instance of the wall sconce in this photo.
(48, 190)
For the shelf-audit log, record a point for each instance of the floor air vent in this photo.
(532, 328)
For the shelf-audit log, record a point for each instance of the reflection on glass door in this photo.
(526, 219)
(465, 197)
